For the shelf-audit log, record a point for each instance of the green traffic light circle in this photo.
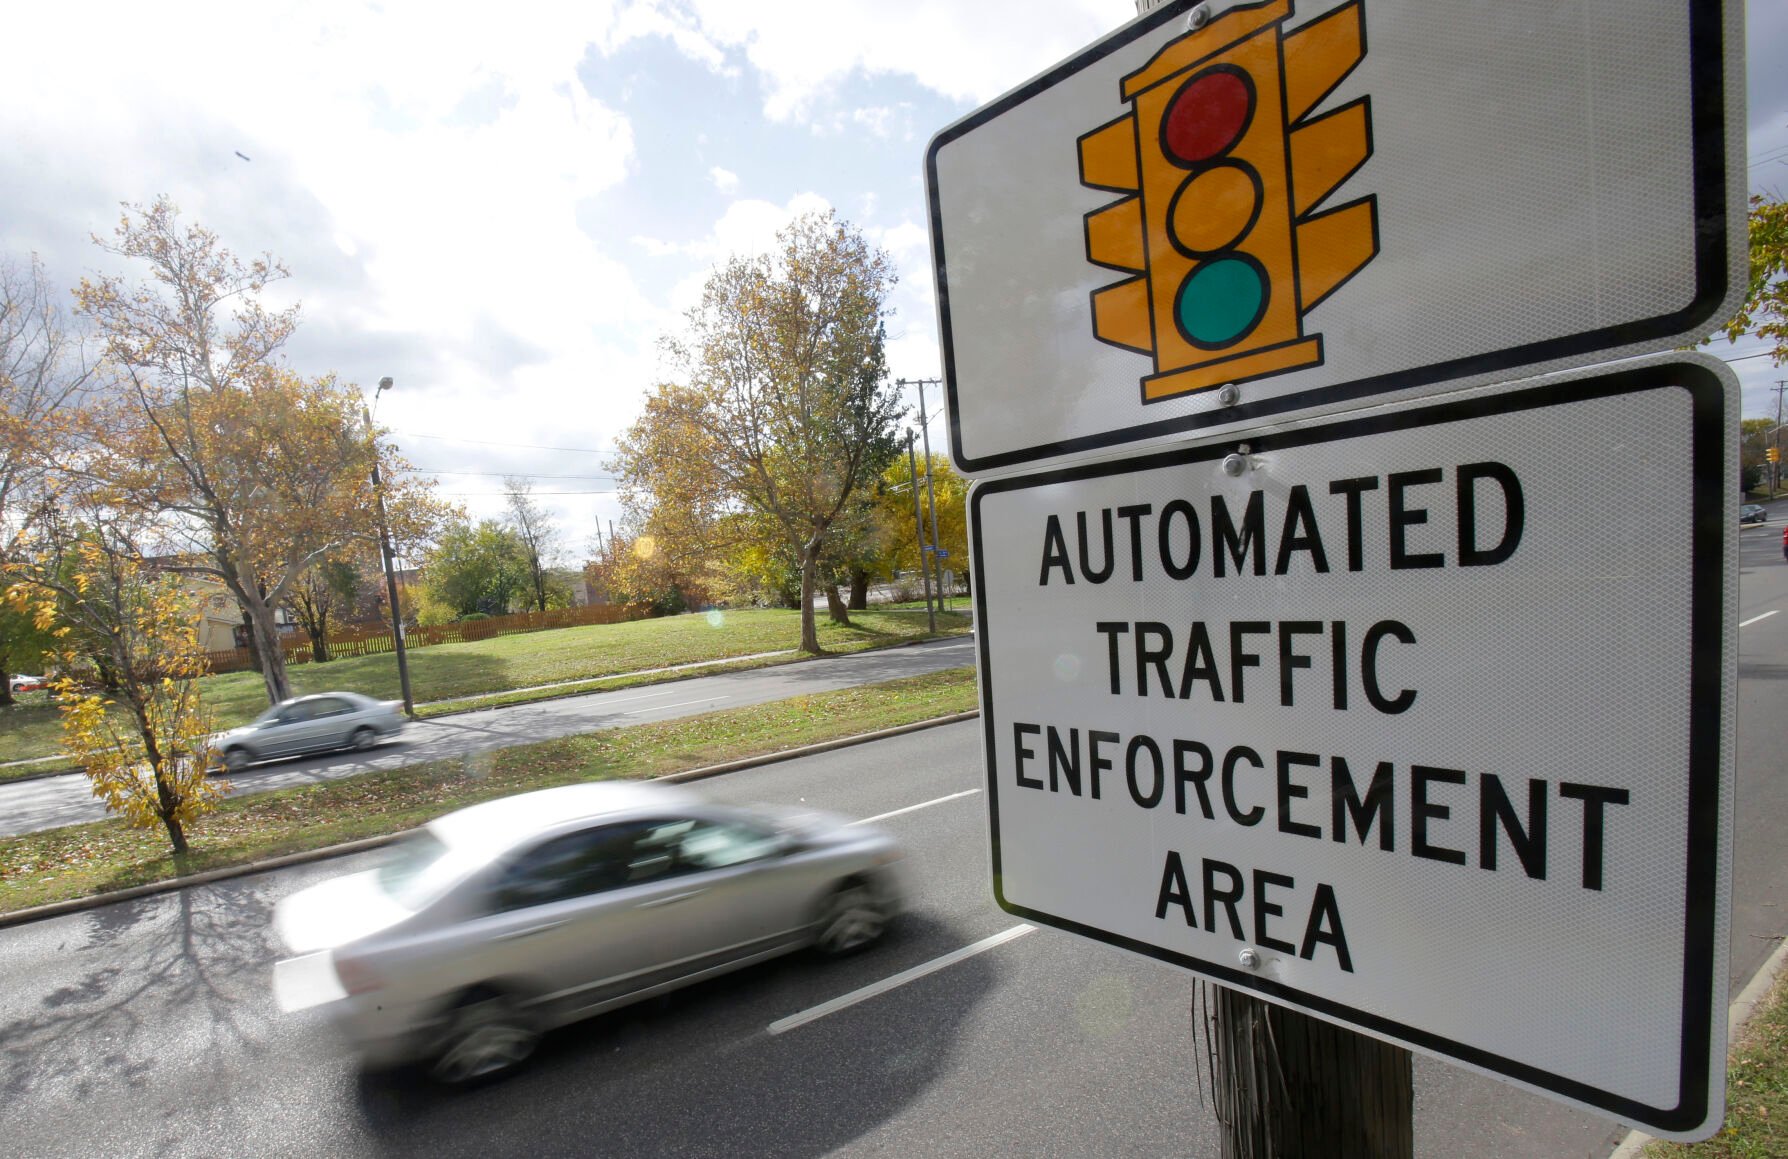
(1221, 301)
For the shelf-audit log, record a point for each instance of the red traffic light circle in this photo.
(1207, 116)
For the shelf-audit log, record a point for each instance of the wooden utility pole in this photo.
(1775, 468)
(1290, 1086)
(912, 473)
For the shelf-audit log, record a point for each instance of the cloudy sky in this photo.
(503, 207)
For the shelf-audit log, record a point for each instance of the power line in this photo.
(501, 495)
(606, 478)
(492, 443)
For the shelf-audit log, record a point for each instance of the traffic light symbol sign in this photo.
(1223, 170)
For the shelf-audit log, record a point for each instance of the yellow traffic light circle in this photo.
(1207, 116)
(1221, 301)
(1214, 209)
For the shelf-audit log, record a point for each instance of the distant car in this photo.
(308, 724)
(29, 683)
(1752, 513)
(496, 923)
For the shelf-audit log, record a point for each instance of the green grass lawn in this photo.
(1756, 1124)
(81, 860)
(445, 671)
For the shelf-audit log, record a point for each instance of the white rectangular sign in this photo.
(1231, 211)
(1415, 721)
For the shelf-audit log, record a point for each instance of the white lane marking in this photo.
(1754, 619)
(679, 704)
(782, 1025)
(920, 805)
(626, 699)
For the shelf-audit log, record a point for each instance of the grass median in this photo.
(82, 860)
(509, 669)
(1756, 1091)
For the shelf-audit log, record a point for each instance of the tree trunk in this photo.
(254, 649)
(319, 639)
(835, 605)
(273, 654)
(1289, 1086)
(6, 687)
(809, 632)
(166, 802)
(263, 633)
(859, 590)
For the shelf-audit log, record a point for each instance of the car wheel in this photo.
(852, 918)
(486, 1037)
(235, 760)
(363, 739)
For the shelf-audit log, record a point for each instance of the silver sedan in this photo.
(498, 922)
(306, 724)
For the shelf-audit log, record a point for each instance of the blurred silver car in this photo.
(498, 922)
(307, 724)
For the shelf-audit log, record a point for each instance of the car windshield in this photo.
(405, 876)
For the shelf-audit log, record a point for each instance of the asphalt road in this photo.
(48, 802)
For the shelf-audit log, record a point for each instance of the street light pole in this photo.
(397, 621)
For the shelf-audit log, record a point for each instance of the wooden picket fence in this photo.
(370, 641)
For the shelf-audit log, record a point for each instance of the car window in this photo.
(293, 713)
(717, 844)
(330, 706)
(575, 864)
(404, 873)
(688, 845)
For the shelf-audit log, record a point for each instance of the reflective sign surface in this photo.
(1416, 721)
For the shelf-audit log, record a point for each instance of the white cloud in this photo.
(970, 52)
(724, 180)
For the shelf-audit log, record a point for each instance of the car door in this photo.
(752, 899)
(588, 919)
(285, 733)
(330, 721)
(565, 920)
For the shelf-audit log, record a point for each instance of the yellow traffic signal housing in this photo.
(1223, 169)
(1773, 454)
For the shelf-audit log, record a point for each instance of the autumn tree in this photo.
(895, 513)
(252, 472)
(781, 406)
(539, 535)
(43, 371)
(1764, 311)
(151, 761)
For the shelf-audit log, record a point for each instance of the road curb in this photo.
(77, 905)
(1739, 1013)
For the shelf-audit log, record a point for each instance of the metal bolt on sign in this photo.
(1250, 959)
(1229, 394)
(1199, 17)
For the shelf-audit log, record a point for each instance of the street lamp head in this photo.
(385, 383)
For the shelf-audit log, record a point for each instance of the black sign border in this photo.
(1706, 692)
(1707, 114)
